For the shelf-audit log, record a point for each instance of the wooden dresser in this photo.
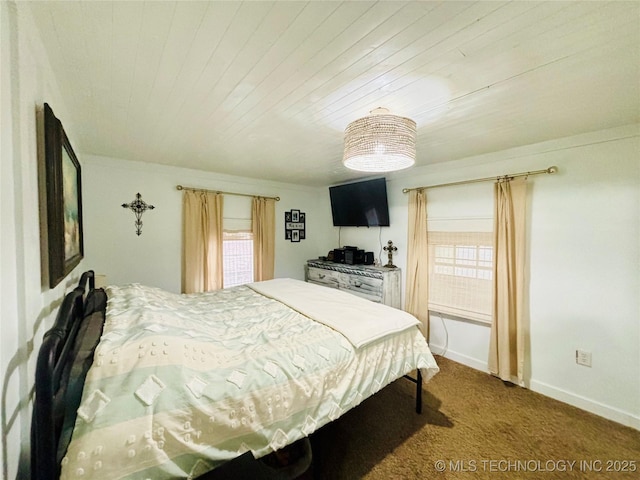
(378, 284)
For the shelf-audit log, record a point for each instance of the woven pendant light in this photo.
(380, 142)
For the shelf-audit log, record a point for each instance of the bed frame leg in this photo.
(419, 392)
(418, 382)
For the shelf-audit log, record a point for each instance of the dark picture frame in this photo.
(64, 200)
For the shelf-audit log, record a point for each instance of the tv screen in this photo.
(360, 204)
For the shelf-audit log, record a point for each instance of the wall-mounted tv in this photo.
(360, 204)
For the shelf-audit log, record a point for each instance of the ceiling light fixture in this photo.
(380, 142)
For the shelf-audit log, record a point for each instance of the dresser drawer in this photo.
(329, 278)
(374, 297)
(368, 287)
(373, 283)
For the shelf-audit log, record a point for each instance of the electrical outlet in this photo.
(583, 358)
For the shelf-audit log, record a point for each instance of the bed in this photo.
(152, 384)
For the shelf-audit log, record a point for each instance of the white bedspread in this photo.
(361, 321)
(182, 383)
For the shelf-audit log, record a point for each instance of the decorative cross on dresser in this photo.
(390, 248)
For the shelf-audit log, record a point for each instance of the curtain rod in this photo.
(180, 187)
(486, 179)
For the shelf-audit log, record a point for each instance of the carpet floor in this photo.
(472, 426)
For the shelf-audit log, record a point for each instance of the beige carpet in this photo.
(472, 426)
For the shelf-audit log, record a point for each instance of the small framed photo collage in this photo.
(294, 225)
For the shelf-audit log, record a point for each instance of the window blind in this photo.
(461, 274)
(237, 241)
(460, 238)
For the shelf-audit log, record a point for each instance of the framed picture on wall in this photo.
(294, 225)
(63, 200)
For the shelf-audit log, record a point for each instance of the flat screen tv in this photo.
(360, 204)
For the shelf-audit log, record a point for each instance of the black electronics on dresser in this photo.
(338, 255)
(350, 256)
(368, 258)
(354, 257)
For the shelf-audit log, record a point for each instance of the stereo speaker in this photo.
(368, 258)
(354, 257)
(339, 255)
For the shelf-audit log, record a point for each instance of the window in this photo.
(461, 274)
(237, 241)
(237, 252)
(471, 261)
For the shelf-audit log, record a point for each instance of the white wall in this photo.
(112, 247)
(583, 260)
(27, 307)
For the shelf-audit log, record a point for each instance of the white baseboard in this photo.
(597, 408)
(606, 411)
(460, 358)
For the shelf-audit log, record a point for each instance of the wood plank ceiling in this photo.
(265, 89)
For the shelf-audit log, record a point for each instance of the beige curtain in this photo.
(416, 297)
(263, 226)
(506, 351)
(201, 241)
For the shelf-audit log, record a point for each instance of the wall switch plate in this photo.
(583, 358)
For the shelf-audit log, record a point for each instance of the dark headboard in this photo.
(55, 371)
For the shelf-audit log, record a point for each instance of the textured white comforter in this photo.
(181, 383)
